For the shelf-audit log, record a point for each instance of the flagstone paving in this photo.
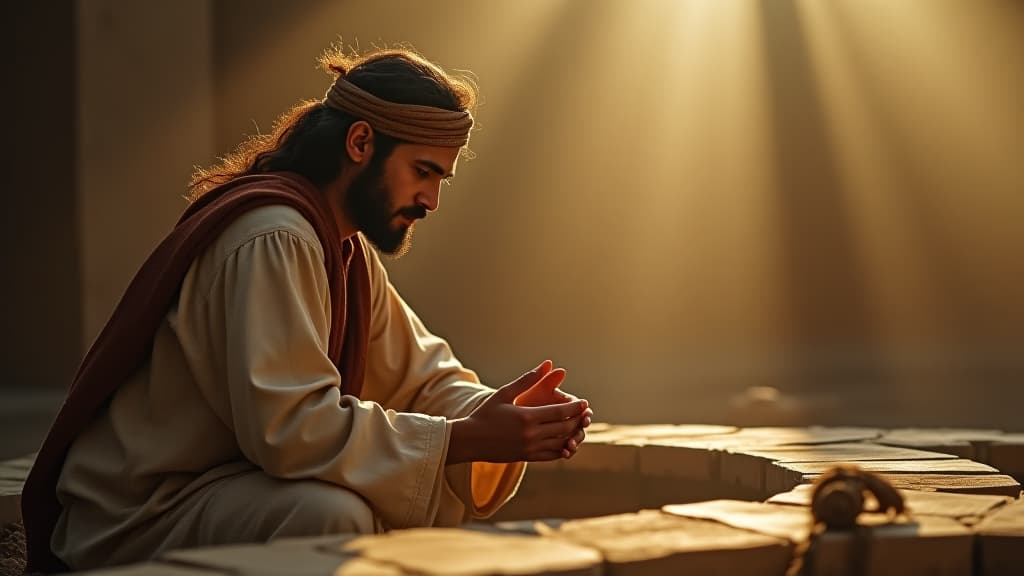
(676, 499)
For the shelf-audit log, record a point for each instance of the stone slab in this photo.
(679, 458)
(453, 552)
(993, 484)
(290, 560)
(740, 468)
(314, 542)
(651, 542)
(952, 466)
(751, 466)
(843, 452)
(768, 436)
(603, 456)
(10, 501)
(962, 442)
(16, 469)
(1001, 540)
(966, 508)
(1007, 521)
(526, 527)
(153, 569)
(783, 476)
(655, 431)
(1000, 555)
(12, 478)
(779, 521)
(702, 458)
(942, 434)
(925, 545)
(618, 449)
(573, 494)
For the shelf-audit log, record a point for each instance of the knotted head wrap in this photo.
(409, 122)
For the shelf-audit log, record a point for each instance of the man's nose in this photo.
(429, 199)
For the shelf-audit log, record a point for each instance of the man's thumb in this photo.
(509, 391)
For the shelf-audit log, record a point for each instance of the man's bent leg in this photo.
(250, 507)
(254, 507)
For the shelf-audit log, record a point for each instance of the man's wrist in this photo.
(459, 443)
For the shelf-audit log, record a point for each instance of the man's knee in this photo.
(312, 508)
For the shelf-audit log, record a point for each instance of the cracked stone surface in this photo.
(657, 499)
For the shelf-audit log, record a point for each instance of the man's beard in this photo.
(368, 203)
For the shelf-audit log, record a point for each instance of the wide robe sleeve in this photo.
(411, 369)
(266, 315)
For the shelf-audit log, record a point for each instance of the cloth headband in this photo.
(408, 122)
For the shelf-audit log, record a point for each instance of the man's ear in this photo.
(359, 142)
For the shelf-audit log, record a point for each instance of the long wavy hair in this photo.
(309, 139)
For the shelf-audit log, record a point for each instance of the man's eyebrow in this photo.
(435, 167)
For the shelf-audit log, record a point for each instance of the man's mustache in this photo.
(413, 212)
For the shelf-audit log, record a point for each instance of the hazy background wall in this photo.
(145, 110)
(675, 200)
(679, 200)
(113, 106)
(41, 271)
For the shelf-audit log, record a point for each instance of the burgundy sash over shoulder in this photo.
(126, 341)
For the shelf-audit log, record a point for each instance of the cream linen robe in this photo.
(236, 430)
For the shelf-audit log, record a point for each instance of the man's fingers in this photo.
(581, 435)
(573, 444)
(552, 379)
(509, 391)
(572, 397)
(559, 430)
(562, 397)
(557, 412)
(549, 445)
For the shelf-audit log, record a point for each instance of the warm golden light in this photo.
(678, 201)
(681, 200)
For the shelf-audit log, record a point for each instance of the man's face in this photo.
(387, 198)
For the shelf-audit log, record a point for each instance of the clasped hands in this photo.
(528, 419)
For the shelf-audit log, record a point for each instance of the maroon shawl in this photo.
(126, 340)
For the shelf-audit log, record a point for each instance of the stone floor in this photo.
(670, 499)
